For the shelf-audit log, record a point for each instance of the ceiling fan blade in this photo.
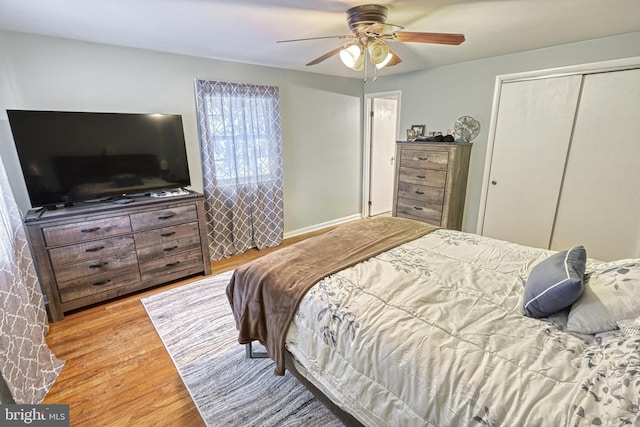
(436, 38)
(328, 54)
(348, 36)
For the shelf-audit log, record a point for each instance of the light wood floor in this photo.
(117, 372)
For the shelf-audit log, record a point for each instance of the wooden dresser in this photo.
(431, 182)
(94, 252)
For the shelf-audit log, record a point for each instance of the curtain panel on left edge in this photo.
(27, 366)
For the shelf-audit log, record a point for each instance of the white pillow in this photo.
(629, 326)
(611, 294)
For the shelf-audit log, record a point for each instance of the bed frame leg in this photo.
(254, 354)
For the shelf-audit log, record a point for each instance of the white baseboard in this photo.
(317, 227)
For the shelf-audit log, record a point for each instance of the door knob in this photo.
(494, 182)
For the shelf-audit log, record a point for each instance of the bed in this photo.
(431, 330)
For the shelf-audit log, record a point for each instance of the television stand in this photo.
(93, 252)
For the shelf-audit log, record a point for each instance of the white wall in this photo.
(321, 115)
(437, 97)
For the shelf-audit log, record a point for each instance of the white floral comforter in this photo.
(432, 333)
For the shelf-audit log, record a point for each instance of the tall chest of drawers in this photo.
(88, 254)
(431, 182)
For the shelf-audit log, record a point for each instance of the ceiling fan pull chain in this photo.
(365, 64)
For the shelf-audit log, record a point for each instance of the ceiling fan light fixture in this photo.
(378, 52)
(385, 61)
(353, 57)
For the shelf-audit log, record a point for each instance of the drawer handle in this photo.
(168, 234)
(421, 176)
(419, 192)
(170, 249)
(99, 265)
(103, 282)
(172, 264)
(166, 216)
(96, 249)
(423, 158)
(90, 230)
(417, 208)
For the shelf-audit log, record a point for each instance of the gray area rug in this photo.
(197, 328)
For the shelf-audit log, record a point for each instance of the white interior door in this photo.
(530, 146)
(600, 201)
(384, 120)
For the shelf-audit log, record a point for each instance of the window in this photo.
(243, 125)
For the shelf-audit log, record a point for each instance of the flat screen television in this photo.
(68, 157)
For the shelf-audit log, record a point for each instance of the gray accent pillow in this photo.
(555, 283)
(611, 294)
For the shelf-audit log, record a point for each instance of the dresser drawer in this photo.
(427, 177)
(423, 193)
(169, 264)
(168, 248)
(167, 234)
(88, 230)
(90, 250)
(421, 219)
(91, 285)
(423, 211)
(163, 217)
(99, 265)
(424, 159)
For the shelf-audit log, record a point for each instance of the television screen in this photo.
(80, 156)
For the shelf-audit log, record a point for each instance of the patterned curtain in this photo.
(241, 150)
(26, 364)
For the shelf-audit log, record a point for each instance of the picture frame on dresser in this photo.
(420, 130)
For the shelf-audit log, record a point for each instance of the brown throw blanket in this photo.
(264, 294)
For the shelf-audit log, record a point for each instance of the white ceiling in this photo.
(247, 30)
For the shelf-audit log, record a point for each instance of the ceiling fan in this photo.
(370, 34)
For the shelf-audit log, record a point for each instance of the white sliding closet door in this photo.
(600, 201)
(532, 137)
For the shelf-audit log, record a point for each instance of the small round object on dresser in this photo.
(466, 128)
